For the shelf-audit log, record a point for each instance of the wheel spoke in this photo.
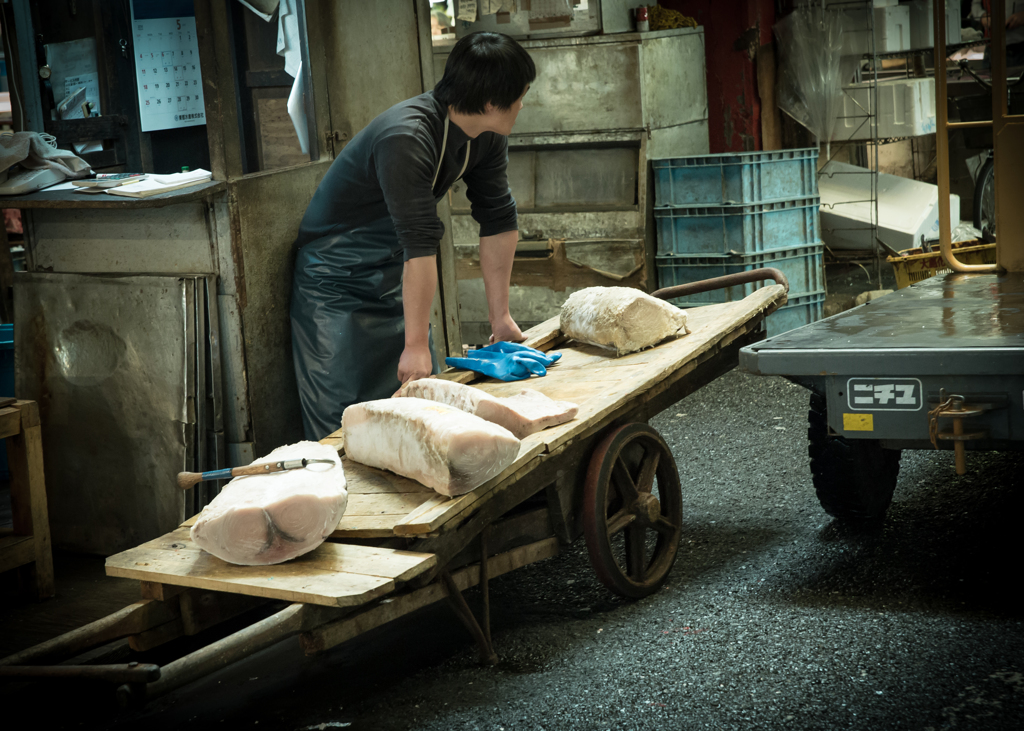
(664, 526)
(619, 521)
(636, 553)
(624, 482)
(648, 470)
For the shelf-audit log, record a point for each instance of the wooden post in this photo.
(28, 501)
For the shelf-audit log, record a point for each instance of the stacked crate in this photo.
(722, 214)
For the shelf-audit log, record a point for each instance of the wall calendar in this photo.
(167, 71)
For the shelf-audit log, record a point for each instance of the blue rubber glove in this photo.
(505, 361)
(523, 351)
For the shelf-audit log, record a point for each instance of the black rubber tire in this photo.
(985, 184)
(853, 478)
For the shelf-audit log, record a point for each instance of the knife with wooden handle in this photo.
(188, 479)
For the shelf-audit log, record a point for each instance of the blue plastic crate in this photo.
(800, 310)
(734, 178)
(750, 229)
(804, 266)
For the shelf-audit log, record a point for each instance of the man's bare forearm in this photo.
(496, 255)
(419, 281)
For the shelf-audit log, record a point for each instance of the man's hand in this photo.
(414, 364)
(505, 328)
(1015, 21)
(496, 255)
(419, 279)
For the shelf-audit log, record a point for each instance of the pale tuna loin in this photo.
(435, 444)
(266, 519)
(523, 414)
(620, 319)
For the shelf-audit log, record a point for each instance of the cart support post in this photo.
(131, 620)
(485, 588)
(290, 621)
(464, 613)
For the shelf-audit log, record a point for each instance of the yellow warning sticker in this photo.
(858, 422)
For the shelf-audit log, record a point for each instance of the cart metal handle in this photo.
(729, 280)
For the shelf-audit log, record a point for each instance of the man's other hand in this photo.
(506, 329)
(414, 364)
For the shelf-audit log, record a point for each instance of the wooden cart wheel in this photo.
(631, 500)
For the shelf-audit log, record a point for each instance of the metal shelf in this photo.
(951, 48)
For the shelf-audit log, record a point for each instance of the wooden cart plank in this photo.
(365, 526)
(334, 633)
(382, 503)
(401, 503)
(362, 479)
(600, 384)
(431, 513)
(369, 560)
(633, 374)
(333, 574)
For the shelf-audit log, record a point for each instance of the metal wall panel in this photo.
(574, 225)
(586, 177)
(374, 59)
(121, 241)
(680, 141)
(673, 79)
(581, 88)
(106, 358)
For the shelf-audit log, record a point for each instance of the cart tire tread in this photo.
(854, 479)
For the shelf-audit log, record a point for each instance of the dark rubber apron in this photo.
(348, 327)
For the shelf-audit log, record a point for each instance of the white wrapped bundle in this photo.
(435, 444)
(620, 318)
(266, 519)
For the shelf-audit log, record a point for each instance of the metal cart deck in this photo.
(400, 546)
(938, 364)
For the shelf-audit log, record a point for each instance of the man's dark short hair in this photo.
(485, 67)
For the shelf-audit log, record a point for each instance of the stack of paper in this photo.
(157, 184)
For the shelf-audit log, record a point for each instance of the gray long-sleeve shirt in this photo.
(388, 167)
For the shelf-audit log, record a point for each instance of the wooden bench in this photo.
(28, 543)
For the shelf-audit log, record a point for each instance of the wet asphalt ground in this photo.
(774, 617)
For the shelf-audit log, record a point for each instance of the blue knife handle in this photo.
(218, 474)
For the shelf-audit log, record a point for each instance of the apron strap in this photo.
(440, 160)
(465, 163)
(444, 146)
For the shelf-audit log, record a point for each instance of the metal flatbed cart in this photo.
(400, 546)
(937, 365)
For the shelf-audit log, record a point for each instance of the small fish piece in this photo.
(524, 414)
(435, 444)
(259, 520)
(620, 318)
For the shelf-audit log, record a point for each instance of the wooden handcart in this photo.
(400, 546)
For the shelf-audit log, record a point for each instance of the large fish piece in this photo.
(523, 414)
(435, 444)
(620, 318)
(266, 519)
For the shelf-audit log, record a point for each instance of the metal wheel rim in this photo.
(608, 478)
